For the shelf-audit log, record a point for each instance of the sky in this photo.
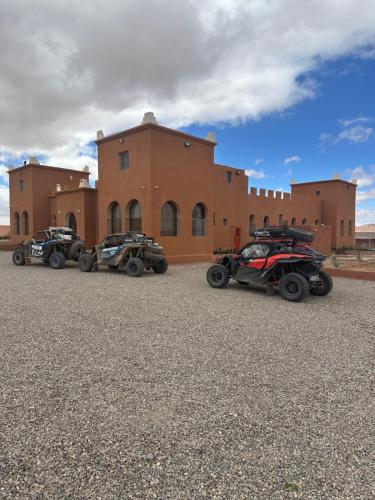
(287, 86)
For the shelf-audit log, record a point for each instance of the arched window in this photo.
(266, 221)
(304, 222)
(71, 221)
(25, 223)
(280, 219)
(293, 221)
(53, 220)
(199, 220)
(16, 223)
(350, 229)
(342, 228)
(134, 216)
(252, 226)
(169, 219)
(316, 222)
(114, 218)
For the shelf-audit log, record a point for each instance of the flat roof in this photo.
(323, 182)
(155, 126)
(38, 165)
(72, 190)
(365, 235)
(235, 169)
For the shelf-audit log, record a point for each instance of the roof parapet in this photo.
(270, 193)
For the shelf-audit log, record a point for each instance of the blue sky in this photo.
(286, 85)
(294, 144)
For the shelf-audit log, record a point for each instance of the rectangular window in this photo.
(225, 222)
(229, 177)
(124, 160)
(317, 193)
(21, 185)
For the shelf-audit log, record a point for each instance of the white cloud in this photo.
(258, 161)
(365, 195)
(70, 156)
(365, 215)
(355, 134)
(4, 205)
(362, 177)
(292, 159)
(352, 131)
(355, 121)
(255, 174)
(70, 68)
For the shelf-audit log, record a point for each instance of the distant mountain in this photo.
(366, 228)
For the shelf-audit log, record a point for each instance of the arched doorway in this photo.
(169, 219)
(71, 221)
(342, 228)
(16, 223)
(199, 220)
(134, 216)
(266, 221)
(25, 222)
(114, 218)
(252, 226)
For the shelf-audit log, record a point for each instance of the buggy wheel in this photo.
(76, 249)
(57, 260)
(218, 276)
(324, 286)
(18, 258)
(86, 262)
(293, 287)
(161, 266)
(135, 267)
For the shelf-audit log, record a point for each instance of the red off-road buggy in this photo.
(277, 257)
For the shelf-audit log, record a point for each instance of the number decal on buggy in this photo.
(36, 250)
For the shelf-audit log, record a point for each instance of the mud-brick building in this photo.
(166, 183)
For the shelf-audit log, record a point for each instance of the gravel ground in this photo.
(162, 387)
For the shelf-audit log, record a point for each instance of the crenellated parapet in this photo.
(269, 194)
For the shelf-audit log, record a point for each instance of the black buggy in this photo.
(131, 251)
(53, 246)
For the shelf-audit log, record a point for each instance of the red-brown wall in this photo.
(182, 172)
(82, 202)
(123, 186)
(4, 231)
(21, 201)
(39, 183)
(235, 204)
(337, 199)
